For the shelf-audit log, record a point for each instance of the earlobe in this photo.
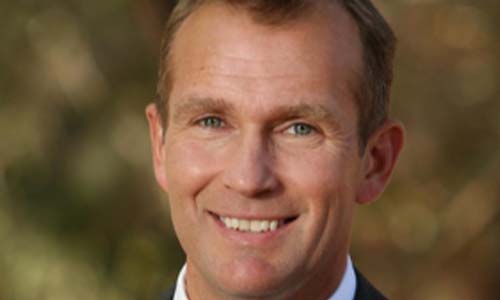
(157, 145)
(381, 154)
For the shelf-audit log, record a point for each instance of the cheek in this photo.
(320, 175)
(323, 185)
(326, 185)
(189, 166)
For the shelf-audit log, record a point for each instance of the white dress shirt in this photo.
(345, 291)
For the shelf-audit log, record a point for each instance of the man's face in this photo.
(262, 136)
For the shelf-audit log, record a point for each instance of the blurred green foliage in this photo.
(81, 216)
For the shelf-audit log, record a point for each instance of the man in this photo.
(270, 127)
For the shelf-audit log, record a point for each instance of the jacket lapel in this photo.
(366, 291)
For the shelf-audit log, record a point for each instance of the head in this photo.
(271, 126)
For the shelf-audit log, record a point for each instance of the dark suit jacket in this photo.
(364, 290)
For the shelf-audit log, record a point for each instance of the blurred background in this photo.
(82, 218)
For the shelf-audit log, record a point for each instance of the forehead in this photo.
(321, 50)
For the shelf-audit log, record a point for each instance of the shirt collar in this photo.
(347, 287)
(345, 291)
(180, 288)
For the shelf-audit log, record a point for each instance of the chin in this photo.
(256, 280)
(252, 288)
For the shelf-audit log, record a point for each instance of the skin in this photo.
(262, 125)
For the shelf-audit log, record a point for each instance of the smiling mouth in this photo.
(254, 225)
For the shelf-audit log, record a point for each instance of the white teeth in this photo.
(254, 226)
(273, 225)
(264, 225)
(244, 225)
(234, 223)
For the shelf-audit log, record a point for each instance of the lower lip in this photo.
(245, 238)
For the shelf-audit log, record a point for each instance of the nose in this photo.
(250, 169)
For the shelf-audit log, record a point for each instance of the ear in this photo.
(156, 133)
(381, 153)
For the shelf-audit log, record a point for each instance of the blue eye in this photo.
(300, 129)
(211, 122)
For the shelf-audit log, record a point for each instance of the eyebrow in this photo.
(195, 105)
(318, 113)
